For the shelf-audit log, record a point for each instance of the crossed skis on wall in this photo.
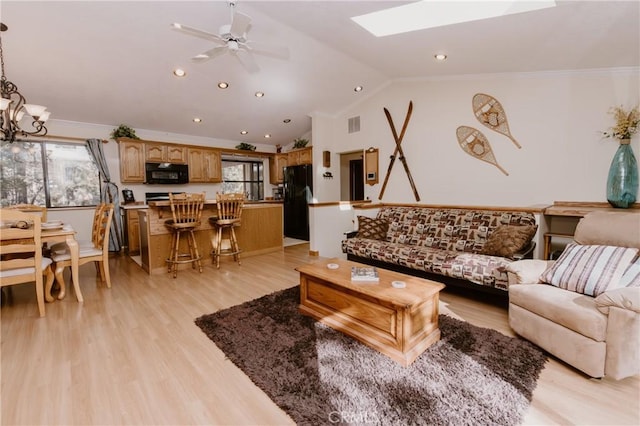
(487, 111)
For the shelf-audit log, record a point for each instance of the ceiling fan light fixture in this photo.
(441, 57)
(259, 94)
(244, 132)
(232, 39)
(179, 72)
(197, 120)
(358, 89)
(267, 136)
(223, 85)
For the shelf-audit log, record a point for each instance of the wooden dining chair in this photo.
(31, 208)
(21, 259)
(229, 216)
(97, 253)
(98, 213)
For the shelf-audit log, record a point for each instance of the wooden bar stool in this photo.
(229, 215)
(187, 212)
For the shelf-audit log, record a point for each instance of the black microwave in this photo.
(166, 173)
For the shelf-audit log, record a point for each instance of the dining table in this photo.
(66, 234)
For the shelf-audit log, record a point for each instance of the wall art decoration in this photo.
(474, 143)
(398, 150)
(490, 113)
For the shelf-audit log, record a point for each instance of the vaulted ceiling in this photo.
(111, 62)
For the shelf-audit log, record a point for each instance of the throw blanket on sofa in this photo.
(442, 241)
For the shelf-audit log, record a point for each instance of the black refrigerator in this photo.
(298, 192)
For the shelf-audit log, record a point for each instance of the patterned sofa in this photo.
(457, 246)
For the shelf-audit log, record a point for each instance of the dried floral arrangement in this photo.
(626, 123)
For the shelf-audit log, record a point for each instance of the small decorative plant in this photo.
(246, 147)
(626, 123)
(300, 142)
(124, 131)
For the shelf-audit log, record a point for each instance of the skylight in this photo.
(430, 14)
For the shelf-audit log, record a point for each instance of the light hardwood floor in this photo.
(133, 355)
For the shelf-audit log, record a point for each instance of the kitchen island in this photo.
(261, 231)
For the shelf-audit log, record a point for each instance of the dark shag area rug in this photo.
(472, 376)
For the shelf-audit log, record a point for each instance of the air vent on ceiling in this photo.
(354, 124)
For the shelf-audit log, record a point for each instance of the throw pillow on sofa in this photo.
(631, 276)
(373, 229)
(589, 269)
(507, 240)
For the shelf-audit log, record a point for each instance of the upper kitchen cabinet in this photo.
(132, 155)
(300, 156)
(205, 165)
(277, 163)
(164, 153)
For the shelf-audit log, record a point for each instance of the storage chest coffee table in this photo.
(398, 322)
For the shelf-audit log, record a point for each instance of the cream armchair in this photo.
(597, 335)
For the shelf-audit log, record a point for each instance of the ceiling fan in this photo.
(232, 38)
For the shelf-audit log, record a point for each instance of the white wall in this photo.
(556, 117)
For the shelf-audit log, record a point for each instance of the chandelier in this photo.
(13, 108)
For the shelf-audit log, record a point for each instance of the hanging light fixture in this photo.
(13, 107)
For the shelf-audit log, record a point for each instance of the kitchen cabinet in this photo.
(131, 160)
(277, 163)
(300, 157)
(165, 153)
(205, 165)
(133, 231)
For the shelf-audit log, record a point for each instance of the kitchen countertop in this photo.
(165, 203)
(132, 206)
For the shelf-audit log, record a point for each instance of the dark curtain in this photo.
(109, 192)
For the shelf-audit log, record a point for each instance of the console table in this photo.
(569, 213)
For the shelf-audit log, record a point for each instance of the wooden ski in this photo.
(398, 151)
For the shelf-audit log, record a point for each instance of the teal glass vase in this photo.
(622, 183)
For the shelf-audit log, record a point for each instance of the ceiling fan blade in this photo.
(240, 24)
(210, 54)
(275, 51)
(197, 33)
(246, 59)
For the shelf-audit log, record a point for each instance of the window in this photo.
(51, 174)
(246, 176)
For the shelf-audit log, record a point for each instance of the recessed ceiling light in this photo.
(286, 120)
(179, 72)
(267, 136)
(223, 85)
(243, 132)
(197, 120)
(259, 94)
(440, 57)
(358, 89)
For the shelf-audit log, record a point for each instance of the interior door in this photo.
(356, 180)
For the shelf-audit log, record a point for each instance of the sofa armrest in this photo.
(350, 234)
(623, 298)
(527, 271)
(525, 253)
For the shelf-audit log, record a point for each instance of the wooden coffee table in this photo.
(398, 322)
